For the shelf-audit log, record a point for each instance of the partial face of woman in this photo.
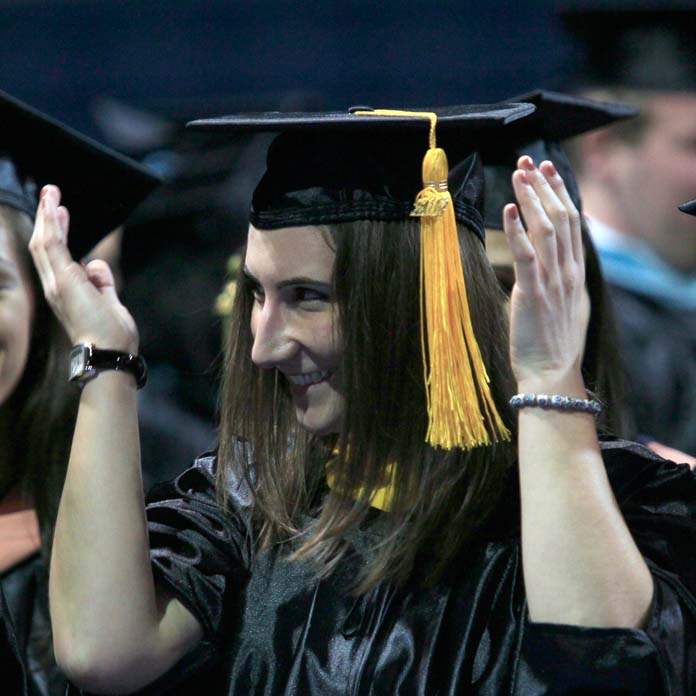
(16, 311)
(294, 320)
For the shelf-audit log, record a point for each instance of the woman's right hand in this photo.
(82, 297)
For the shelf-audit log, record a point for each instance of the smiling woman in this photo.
(294, 320)
(17, 307)
(375, 518)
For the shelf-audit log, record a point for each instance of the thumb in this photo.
(102, 278)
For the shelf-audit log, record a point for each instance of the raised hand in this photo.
(83, 298)
(549, 304)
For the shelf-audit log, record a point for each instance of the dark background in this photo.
(182, 57)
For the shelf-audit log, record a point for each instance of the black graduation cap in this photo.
(390, 165)
(344, 166)
(646, 44)
(689, 208)
(99, 186)
(557, 117)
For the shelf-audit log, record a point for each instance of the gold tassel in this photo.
(461, 409)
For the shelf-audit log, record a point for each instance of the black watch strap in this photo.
(87, 362)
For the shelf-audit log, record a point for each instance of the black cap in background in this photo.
(100, 187)
(557, 117)
(689, 208)
(646, 45)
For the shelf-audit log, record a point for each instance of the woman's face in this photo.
(294, 320)
(16, 312)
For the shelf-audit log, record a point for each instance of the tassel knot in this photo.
(430, 203)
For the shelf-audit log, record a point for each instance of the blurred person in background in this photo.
(632, 177)
(37, 404)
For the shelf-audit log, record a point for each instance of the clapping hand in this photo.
(549, 304)
(82, 297)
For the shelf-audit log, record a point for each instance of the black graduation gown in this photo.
(271, 628)
(13, 678)
(658, 348)
(26, 590)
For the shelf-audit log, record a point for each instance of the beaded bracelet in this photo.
(556, 402)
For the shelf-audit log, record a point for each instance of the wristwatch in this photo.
(86, 362)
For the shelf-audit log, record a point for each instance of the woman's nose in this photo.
(273, 341)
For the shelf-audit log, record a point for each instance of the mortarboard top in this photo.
(100, 187)
(631, 44)
(557, 117)
(342, 166)
(689, 208)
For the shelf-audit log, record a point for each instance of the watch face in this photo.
(78, 362)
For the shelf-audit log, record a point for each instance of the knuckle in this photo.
(546, 229)
(572, 279)
(555, 287)
(537, 293)
(525, 256)
(561, 215)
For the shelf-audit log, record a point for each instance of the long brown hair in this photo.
(43, 406)
(440, 498)
(602, 366)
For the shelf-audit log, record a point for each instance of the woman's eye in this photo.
(309, 295)
(258, 296)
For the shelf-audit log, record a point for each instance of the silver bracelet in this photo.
(556, 402)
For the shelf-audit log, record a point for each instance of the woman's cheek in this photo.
(326, 336)
(15, 339)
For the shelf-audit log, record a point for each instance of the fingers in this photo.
(37, 250)
(523, 255)
(48, 243)
(54, 230)
(63, 217)
(556, 182)
(554, 209)
(541, 230)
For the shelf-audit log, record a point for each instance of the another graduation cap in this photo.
(100, 187)
(368, 164)
(689, 208)
(557, 117)
(641, 45)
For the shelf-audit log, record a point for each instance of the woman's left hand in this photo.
(549, 306)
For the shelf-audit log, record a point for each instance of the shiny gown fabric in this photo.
(26, 592)
(272, 628)
(13, 678)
